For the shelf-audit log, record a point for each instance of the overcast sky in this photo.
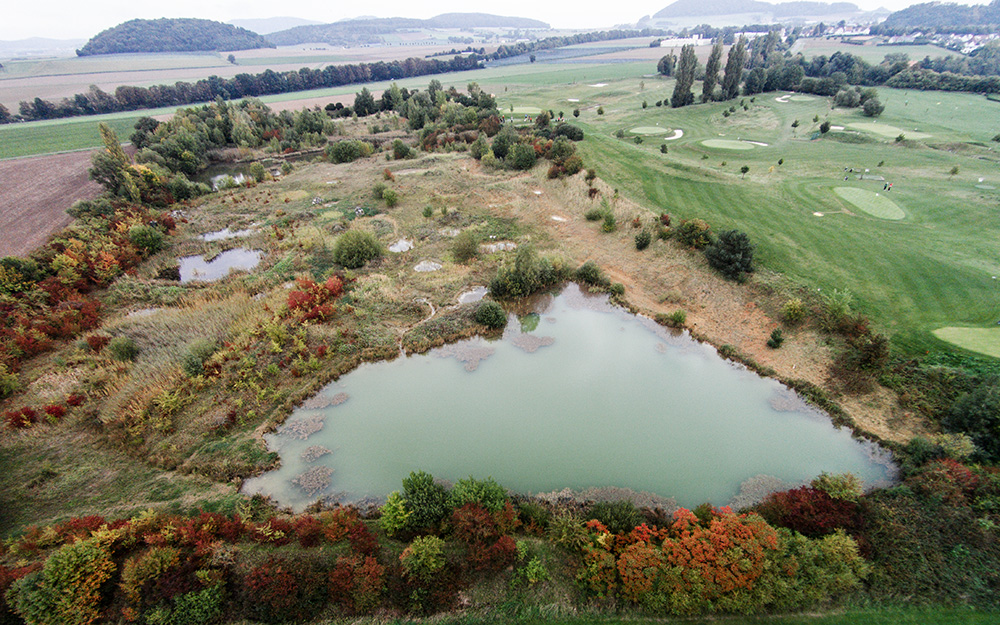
(75, 19)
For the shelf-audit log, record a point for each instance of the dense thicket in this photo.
(172, 35)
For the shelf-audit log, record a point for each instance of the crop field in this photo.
(46, 137)
(871, 53)
(932, 268)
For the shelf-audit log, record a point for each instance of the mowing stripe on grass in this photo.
(979, 340)
(873, 203)
(726, 144)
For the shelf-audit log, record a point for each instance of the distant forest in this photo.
(947, 18)
(172, 35)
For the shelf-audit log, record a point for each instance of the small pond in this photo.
(197, 268)
(579, 394)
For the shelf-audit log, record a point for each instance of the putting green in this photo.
(888, 131)
(875, 204)
(801, 98)
(979, 340)
(726, 144)
(526, 110)
(649, 130)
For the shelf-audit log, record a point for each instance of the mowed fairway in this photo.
(919, 262)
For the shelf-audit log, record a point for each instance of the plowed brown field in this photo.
(34, 195)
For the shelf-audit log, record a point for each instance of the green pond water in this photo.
(580, 395)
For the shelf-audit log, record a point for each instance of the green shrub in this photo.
(845, 486)
(423, 558)
(258, 171)
(567, 530)
(491, 315)
(594, 214)
(619, 517)
(836, 308)
(643, 239)
(192, 608)
(609, 224)
(675, 319)
(527, 274)
(122, 348)
(391, 197)
(465, 246)
(354, 248)
(426, 501)
(793, 311)
(394, 518)
(776, 339)
(194, 360)
(486, 493)
(346, 151)
(8, 382)
(67, 590)
(147, 239)
(287, 167)
(534, 514)
(694, 233)
(590, 273)
(400, 150)
(731, 254)
(428, 212)
(521, 157)
(379, 189)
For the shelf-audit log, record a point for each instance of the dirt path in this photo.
(34, 195)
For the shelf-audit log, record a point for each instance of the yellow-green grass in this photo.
(801, 98)
(871, 616)
(727, 144)
(19, 140)
(888, 131)
(649, 130)
(525, 110)
(980, 340)
(871, 202)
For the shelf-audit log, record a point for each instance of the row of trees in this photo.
(687, 69)
(129, 98)
(769, 70)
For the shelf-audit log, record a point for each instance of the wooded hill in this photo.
(370, 30)
(943, 18)
(172, 35)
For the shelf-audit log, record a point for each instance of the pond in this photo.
(197, 268)
(579, 394)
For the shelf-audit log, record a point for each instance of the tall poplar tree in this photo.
(734, 69)
(712, 71)
(686, 68)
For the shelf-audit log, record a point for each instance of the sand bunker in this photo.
(600, 84)
(678, 133)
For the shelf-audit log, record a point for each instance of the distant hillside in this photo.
(172, 35)
(40, 46)
(482, 20)
(268, 25)
(370, 30)
(944, 18)
(686, 8)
